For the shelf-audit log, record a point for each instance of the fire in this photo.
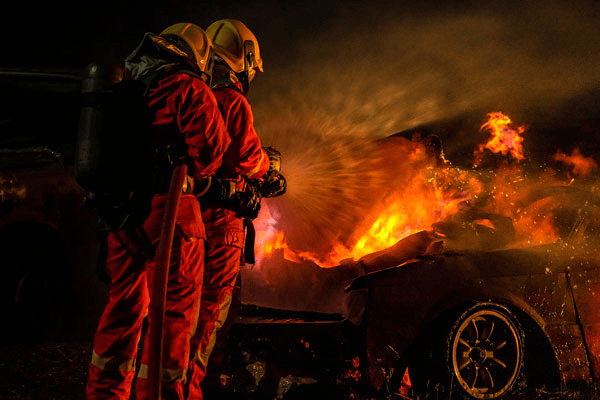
(429, 197)
(532, 221)
(504, 138)
(277, 242)
(434, 192)
(580, 165)
(270, 238)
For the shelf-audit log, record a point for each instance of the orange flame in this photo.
(532, 222)
(504, 140)
(430, 196)
(270, 238)
(434, 193)
(580, 165)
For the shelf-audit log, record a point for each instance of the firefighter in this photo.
(237, 60)
(176, 65)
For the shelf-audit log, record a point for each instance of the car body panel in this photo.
(585, 280)
(405, 300)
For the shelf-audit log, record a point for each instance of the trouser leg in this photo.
(181, 311)
(221, 270)
(112, 368)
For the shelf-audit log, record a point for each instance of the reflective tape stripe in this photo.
(168, 375)
(202, 356)
(257, 167)
(188, 185)
(112, 363)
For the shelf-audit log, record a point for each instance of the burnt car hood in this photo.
(535, 260)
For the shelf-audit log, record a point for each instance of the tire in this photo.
(485, 352)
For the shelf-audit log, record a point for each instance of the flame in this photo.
(435, 192)
(580, 165)
(269, 238)
(532, 222)
(276, 242)
(430, 196)
(504, 140)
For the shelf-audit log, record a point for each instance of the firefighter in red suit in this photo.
(176, 65)
(237, 59)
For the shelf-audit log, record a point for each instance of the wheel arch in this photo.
(544, 373)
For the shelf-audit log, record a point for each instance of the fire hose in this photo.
(159, 293)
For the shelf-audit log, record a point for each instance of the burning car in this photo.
(489, 304)
(482, 280)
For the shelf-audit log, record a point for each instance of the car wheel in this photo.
(485, 352)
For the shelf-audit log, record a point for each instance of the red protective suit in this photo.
(184, 106)
(225, 232)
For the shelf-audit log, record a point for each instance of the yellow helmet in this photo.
(237, 46)
(197, 42)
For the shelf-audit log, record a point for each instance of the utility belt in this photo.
(232, 194)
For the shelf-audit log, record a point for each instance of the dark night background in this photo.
(360, 68)
(363, 68)
(339, 74)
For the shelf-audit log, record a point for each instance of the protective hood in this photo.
(153, 54)
(222, 75)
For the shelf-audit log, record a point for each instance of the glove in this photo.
(274, 162)
(272, 187)
(246, 203)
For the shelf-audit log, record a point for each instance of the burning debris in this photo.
(505, 139)
(413, 201)
(578, 164)
(429, 191)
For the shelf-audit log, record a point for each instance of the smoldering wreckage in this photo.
(476, 282)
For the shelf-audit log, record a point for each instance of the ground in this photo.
(264, 361)
(263, 358)
(44, 371)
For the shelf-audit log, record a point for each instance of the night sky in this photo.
(339, 74)
(339, 71)
(388, 65)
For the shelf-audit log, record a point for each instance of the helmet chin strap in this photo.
(243, 79)
(224, 76)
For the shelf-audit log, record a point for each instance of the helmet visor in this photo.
(250, 62)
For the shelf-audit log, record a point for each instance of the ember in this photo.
(504, 140)
(580, 165)
(432, 190)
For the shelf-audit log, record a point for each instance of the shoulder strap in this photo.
(227, 86)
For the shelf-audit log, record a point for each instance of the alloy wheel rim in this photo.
(486, 354)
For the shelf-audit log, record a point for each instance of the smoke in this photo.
(394, 69)
(377, 71)
(374, 70)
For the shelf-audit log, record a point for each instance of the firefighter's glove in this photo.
(274, 162)
(272, 187)
(246, 203)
